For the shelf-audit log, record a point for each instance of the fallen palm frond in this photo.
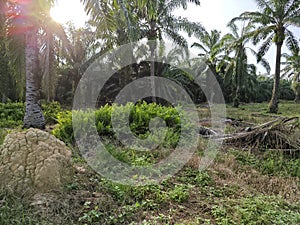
(282, 133)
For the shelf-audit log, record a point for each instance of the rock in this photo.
(34, 161)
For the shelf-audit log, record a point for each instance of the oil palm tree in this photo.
(212, 52)
(239, 72)
(156, 19)
(52, 38)
(292, 69)
(211, 48)
(271, 22)
(80, 45)
(24, 18)
(128, 21)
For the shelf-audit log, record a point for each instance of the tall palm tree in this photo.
(130, 21)
(211, 48)
(80, 45)
(24, 17)
(50, 35)
(292, 69)
(212, 52)
(239, 72)
(272, 22)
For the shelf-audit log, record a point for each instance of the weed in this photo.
(179, 193)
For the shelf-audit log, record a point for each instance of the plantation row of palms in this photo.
(43, 52)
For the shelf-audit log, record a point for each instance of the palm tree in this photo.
(50, 35)
(292, 68)
(211, 48)
(212, 52)
(24, 18)
(134, 20)
(80, 45)
(239, 73)
(272, 22)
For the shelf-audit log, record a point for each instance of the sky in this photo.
(212, 14)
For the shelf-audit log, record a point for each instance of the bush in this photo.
(51, 111)
(140, 116)
(12, 114)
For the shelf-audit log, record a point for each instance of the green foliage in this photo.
(3, 133)
(271, 163)
(51, 111)
(91, 215)
(15, 210)
(140, 116)
(12, 114)
(195, 177)
(255, 210)
(179, 193)
(278, 164)
(64, 128)
(8, 89)
(265, 210)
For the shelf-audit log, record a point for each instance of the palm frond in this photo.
(264, 48)
(200, 46)
(291, 42)
(176, 38)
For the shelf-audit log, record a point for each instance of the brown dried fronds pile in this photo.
(282, 133)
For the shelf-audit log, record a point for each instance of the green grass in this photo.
(236, 189)
(191, 197)
(258, 112)
(3, 133)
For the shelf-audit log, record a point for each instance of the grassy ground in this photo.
(257, 112)
(238, 188)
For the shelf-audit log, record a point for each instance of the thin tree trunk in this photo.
(49, 76)
(152, 72)
(297, 95)
(33, 115)
(236, 100)
(273, 105)
(152, 44)
(297, 88)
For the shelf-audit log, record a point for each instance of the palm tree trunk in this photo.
(297, 94)
(297, 88)
(152, 72)
(49, 76)
(152, 44)
(236, 100)
(33, 115)
(273, 105)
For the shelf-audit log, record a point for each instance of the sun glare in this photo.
(69, 10)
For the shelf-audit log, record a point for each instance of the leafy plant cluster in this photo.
(3, 133)
(139, 117)
(255, 210)
(272, 163)
(134, 201)
(12, 114)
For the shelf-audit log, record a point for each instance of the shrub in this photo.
(51, 111)
(140, 116)
(12, 114)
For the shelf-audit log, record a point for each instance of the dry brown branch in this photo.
(282, 133)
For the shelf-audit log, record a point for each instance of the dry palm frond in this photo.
(282, 133)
